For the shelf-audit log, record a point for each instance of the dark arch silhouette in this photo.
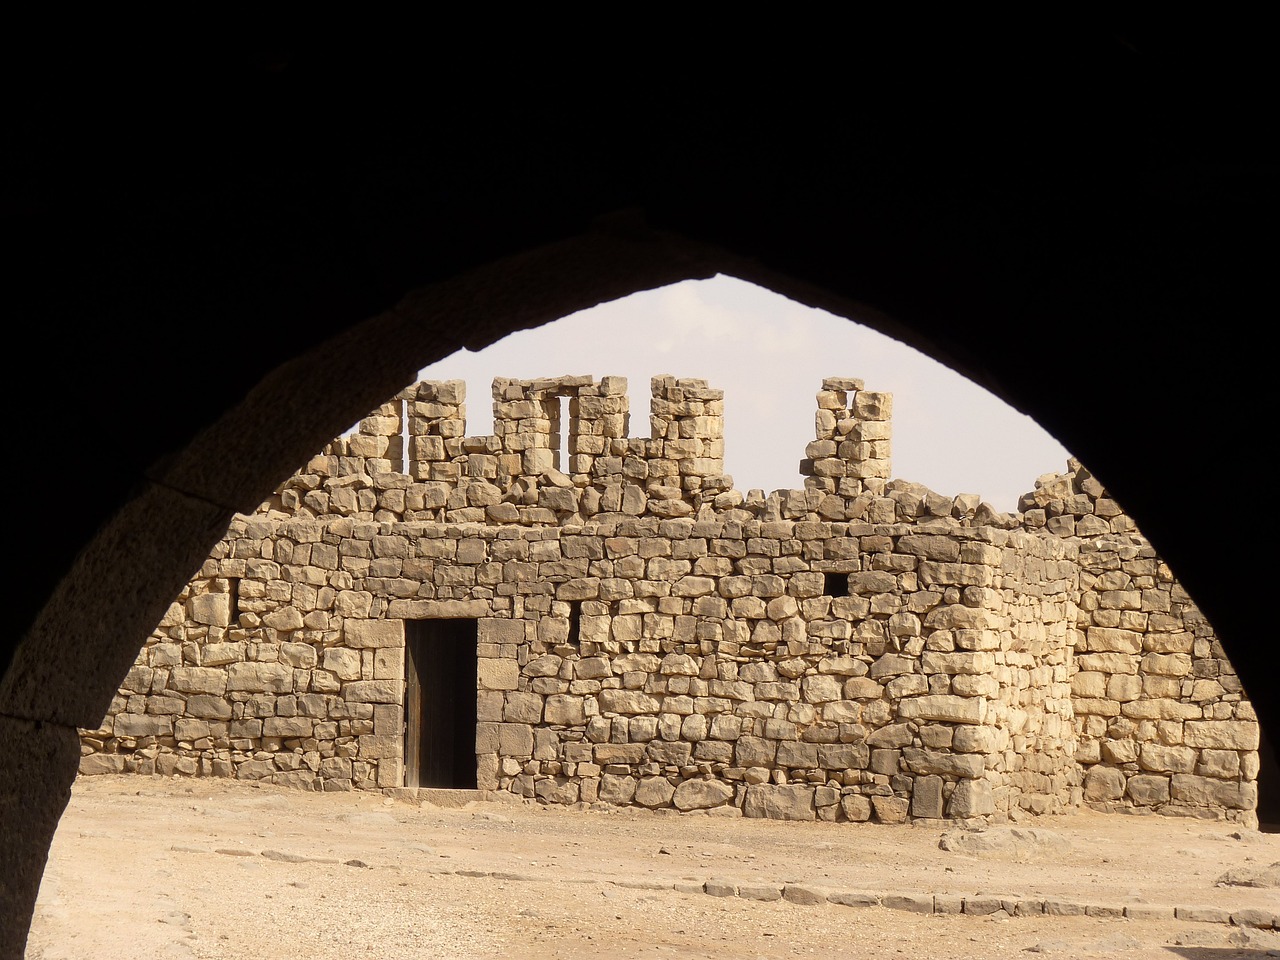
(206, 295)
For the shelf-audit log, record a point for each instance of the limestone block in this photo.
(755, 752)
(557, 790)
(890, 809)
(1208, 792)
(592, 668)
(374, 691)
(564, 709)
(930, 547)
(515, 740)
(618, 753)
(101, 763)
(373, 633)
(907, 685)
(213, 609)
(797, 754)
(617, 789)
(945, 708)
(1167, 665)
(209, 707)
(1148, 791)
(298, 655)
(287, 727)
(141, 725)
(969, 662)
(1166, 759)
(943, 763)
(342, 662)
(926, 798)
(627, 702)
(286, 619)
(701, 794)
(1222, 764)
(679, 664)
(255, 677)
(1221, 734)
(1103, 783)
(821, 689)
(967, 685)
(494, 674)
(862, 688)
(971, 798)
(187, 729)
(1111, 640)
(198, 680)
(780, 802)
(388, 663)
(1123, 687)
(521, 707)
(1161, 709)
(1119, 751)
(856, 807)
(654, 792)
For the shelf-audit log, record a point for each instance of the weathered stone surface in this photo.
(1007, 843)
(701, 794)
(970, 798)
(786, 802)
(945, 708)
(890, 809)
(361, 634)
(260, 677)
(497, 674)
(654, 792)
(1221, 734)
(1104, 783)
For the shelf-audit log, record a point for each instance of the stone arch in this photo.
(1134, 305)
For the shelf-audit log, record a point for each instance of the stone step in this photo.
(441, 797)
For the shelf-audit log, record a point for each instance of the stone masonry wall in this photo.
(1162, 724)
(649, 635)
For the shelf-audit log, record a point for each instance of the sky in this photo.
(770, 355)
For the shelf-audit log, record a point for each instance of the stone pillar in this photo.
(599, 414)
(852, 432)
(437, 424)
(378, 439)
(686, 453)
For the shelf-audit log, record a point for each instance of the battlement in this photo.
(561, 450)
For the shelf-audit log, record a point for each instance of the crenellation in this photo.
(861, 648)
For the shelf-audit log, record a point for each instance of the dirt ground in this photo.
(152, 868)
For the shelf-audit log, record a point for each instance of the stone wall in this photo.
(646, 634)
(1162, 723)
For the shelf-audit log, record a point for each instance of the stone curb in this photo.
(803, 894)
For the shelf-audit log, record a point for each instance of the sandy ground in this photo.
(152, 868)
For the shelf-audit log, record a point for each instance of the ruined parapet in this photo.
(852, 429)
(686, 452)
(437, 414)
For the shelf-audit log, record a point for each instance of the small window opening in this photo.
(575, 618)
(835, 584)
(561, 437)
(233, 598)
(404, 409)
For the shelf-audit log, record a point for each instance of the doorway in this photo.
(440, 704)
